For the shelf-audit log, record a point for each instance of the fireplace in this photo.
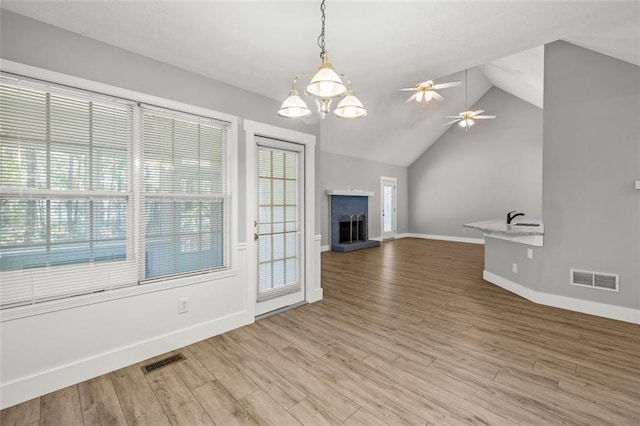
(350, 220)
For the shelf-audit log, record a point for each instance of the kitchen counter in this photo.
(498, 228)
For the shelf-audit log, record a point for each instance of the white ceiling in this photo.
(382, 45)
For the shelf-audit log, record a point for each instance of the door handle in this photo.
(255, 236)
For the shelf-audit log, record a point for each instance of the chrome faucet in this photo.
(510, 217)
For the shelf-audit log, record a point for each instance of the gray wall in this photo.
(591, 160)
(481, 174)
(341, 172)
(34, 43)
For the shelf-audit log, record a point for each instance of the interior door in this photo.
(279, 225)
(388, 192)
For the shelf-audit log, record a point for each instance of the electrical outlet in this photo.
(183, 305)
(529, 253)
(514, 268)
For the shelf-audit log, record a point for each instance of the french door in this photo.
(279, 224)
(388, 195)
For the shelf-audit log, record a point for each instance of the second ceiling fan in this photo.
(466, 118)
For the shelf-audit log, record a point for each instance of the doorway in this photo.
(279, 224)
(389, 206)
(280, 216)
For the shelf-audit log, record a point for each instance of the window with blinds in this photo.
(71, 203)
(185, 192)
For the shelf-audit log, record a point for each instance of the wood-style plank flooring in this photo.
(408, 333)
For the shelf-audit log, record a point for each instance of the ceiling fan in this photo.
(426, 91)
(466, 118)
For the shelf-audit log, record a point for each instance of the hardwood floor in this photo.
(408, 333)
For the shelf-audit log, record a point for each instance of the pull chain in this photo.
(321, 36)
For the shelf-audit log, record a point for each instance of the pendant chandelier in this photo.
(325, 85)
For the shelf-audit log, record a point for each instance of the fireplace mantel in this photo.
(350, 192)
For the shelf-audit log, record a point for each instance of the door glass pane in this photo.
(278, 226)
(388, 209)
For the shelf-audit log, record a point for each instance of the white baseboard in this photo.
(315, 296)
(619, 313)
(42, 383)
(325, 248)
(445, 238)
(376, 238)
(405, 235)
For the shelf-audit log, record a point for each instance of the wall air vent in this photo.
(599, 280)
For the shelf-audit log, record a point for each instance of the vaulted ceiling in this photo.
(382, 46)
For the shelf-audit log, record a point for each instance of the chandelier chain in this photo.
(321, 36)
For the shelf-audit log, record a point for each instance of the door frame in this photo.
(395, 206)
(253, 129)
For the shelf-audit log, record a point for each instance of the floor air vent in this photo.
(597, 280)
(162, 363)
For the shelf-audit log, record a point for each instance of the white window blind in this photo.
(65, 201)
(185, 192)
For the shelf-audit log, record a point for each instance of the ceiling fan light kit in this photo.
(325, 85)
(426, 91)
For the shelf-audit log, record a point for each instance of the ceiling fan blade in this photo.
(437, 96)
(407, 88)
(451, 122)
(474, 113)
(446, 85)
(484, 116)
(411, 98)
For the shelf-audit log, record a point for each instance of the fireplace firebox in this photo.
(353, 228)
(349, 221)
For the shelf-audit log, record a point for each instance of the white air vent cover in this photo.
(599, 280)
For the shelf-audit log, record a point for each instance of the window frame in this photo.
(141, 286)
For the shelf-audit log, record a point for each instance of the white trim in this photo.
(350, 192)
(445, 238)
(42, 383)
(619, 313)
(311, 253)
(376, 239)
(325, 248)
(404, 235)
(316, 293)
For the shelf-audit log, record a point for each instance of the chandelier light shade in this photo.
(350, 107)
(294, 106)
(325, 85)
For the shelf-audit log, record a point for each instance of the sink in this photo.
(526, 224)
